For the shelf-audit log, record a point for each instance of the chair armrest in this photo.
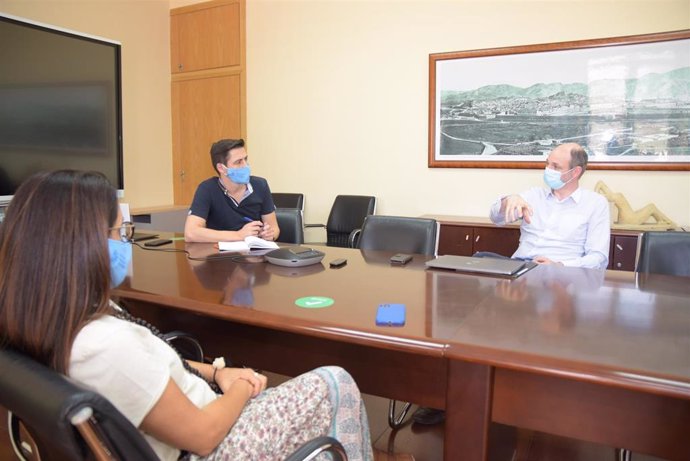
(318, 445)
(353, 238)
(314, 225)
(186, 344)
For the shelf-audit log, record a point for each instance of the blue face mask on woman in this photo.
(239, 175)
(120, 257)
(552, 178)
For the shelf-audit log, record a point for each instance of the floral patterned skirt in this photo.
(325, 401)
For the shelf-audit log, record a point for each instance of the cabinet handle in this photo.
(477, 239)
(618, 247)
(467, 237)
(180, 67)
(618, 265)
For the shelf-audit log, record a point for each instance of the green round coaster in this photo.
(314, 302)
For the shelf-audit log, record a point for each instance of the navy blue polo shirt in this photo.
(222, 213)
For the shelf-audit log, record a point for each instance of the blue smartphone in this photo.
(390, 315)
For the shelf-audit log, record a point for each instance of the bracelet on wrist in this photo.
(218, 364)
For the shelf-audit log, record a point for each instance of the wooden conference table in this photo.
(598, 356)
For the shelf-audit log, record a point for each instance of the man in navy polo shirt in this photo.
(234, 204)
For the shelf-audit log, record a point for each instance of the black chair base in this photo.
(395, 422)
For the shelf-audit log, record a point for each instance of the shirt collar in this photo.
(247, 192)
(576, 196)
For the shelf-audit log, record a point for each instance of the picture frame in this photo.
(626, 100)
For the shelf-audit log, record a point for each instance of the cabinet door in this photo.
(623, 252)
(501, 240)
(205, 39)
(455, 240)
(204, 111)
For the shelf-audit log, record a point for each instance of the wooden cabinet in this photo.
(464, 236)
(161, 219)
(208, 90)
(206, 37)
(501, 240)
(467, 240)
(623, 251)
(455, 240)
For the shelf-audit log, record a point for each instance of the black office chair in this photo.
(664, 253)
(397, 233)
(62, 419)
(347, 214)
(290, 224)
(288, 200)
(65, 419)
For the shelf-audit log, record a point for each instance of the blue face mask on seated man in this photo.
(239, 175)
(552, 178)
(120, 257)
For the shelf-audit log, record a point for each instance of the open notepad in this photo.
(249, 243)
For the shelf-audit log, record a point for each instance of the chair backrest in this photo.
(290, 223)
(347, 214)
(401, 234)
(48, 404)
(288, 200)
(664, 253)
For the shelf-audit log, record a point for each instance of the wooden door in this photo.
(204, 111)
(208, 37)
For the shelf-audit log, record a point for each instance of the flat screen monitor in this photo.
(60, 103)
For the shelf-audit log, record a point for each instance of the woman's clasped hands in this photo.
(227, 376)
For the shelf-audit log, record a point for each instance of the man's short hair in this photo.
(220, 149)
(578, 157)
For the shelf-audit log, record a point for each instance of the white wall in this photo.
(338, 96)
(338, 92)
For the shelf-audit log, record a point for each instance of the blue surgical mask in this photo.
(552, 178)
(239, 175)
(120, 257)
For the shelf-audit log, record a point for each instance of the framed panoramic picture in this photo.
(626, 100)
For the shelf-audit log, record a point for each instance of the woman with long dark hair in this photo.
(62, 247)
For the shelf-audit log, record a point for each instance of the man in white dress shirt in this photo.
(560, 225)
(563, 224)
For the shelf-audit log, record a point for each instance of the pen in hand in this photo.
(247, 219)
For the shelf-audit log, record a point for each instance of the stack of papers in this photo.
(249, 243)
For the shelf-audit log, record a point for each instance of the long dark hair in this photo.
(54, 263)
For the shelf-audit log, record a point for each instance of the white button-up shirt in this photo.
(574, 231)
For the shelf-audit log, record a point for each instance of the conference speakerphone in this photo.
(294, 256)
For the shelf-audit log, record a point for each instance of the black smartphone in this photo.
(401, 259)
(340, 262)
(138, 237)
(157, 242)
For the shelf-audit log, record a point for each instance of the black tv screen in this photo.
(60, 103)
